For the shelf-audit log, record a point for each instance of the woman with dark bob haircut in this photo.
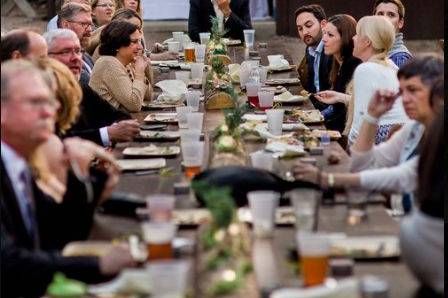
(119, 74)
(337, 36)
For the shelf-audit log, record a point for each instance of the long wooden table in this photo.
(269, 256)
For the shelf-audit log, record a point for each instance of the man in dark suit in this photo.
(314, 70)
(234, 17)
(32, 224)
(98, 121)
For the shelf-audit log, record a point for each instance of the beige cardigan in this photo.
(114, 83)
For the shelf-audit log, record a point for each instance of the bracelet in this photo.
(370, 119)
(330, 180)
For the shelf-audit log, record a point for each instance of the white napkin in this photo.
(172, 91)
(344, 288)
(288, 97)
(277, 62)
(255, 117)
(130, 281)
(265, 134)
(282, 149)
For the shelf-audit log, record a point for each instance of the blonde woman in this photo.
(374, 37)
(102, 12)
(135, 5)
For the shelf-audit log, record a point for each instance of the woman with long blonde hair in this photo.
(374, 37)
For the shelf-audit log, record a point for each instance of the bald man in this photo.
(53, 23)
(21, 43)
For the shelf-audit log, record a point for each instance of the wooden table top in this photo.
(269, 255)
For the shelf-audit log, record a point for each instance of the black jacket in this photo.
(95, 113)
(324, 72)
(201, 11)
(27, 267)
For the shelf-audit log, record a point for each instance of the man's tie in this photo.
(28, 201)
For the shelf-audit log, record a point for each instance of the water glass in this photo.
(160, 207)
(193, 99)
(168, 278)
(200, 52)
(263, 71)
(182, 116)
(190, 135)
(195, 120)
(173, 46)
(179, 37)
(314, 251)
(262, 206)
(197, 70)
(275, 121)
(266, 99)
(183, 76)
(249, 37)
(244, 76)
(262, 160)
(158, 237)
(357, 199)
(204, 37)
(304, 202)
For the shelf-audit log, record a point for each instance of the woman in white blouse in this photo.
(374, 37)
(390, 166)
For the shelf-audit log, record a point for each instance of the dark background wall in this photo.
(424, 19)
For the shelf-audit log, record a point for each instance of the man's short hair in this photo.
(398, 3)
(51, 35)
(11, 69)
(314, 9)
(115, 35)
(429, 67)
(70, 10)
(16, 40)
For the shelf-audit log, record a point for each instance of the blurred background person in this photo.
(21, 43)
(53, 23)
(134, 5)
(102, 12)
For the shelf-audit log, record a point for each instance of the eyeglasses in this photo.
(84, 25)
(67, 52)
(110, 5)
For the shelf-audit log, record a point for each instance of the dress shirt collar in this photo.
(313, 51)
(14, 163)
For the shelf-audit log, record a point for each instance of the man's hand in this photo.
(224, 6)
(116, 259)
(381, 102)
(306, 172)
(123, 131)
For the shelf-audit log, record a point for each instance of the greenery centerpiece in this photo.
(224, 260)
(215, 45)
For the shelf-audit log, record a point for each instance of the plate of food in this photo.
(308, 140)
(155, 105)
(161, 118)
(276, 89)
(306, 116)
(231, 42)
(283, 81)
(191, 217)
(365, 247)
(334, 134)
(141, 164)
(152, 151)
(288, 98)
(282, 68)
(151, 135)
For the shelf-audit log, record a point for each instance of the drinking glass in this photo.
(304, 202)
(249, 37)
(183, 76)
(275, 121)
(356, 205)
(193, 98)
(192, 155)
(200, 52)
(179, 37)
(204, 37)
(189, 50)
(158, 237)
(262, 160)
(266, 99)
(168, 278)
(190, 135)
(197, 70)
(182, 116)
(314, 251)
(252, 93)
(173, 46)
(160, 207)
(263, 71)
(262, 206)
(195, 120)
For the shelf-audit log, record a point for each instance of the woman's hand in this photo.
(140, 64)
(381, 102)
(331, 97)
(306, 172)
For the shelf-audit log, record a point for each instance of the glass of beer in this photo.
(158, 237)
(314, 251)
(160, 207)
(189, 51)
(192, 155)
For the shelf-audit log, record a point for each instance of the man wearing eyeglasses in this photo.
(78, 18)
(53, 23)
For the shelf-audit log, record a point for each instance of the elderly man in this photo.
(78, 18)
(113, 125)
(394, 11)
(28, 217)
(314, 70)
(233, 16)
(21, 43)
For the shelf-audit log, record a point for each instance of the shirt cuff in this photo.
(105, 136)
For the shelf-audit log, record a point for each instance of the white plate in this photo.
(365, 247)
(162, 117)
(152, 150)
(157, 135)
(141, 164)
(155, 63)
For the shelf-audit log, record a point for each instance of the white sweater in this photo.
(369, 77)
(387, 166)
